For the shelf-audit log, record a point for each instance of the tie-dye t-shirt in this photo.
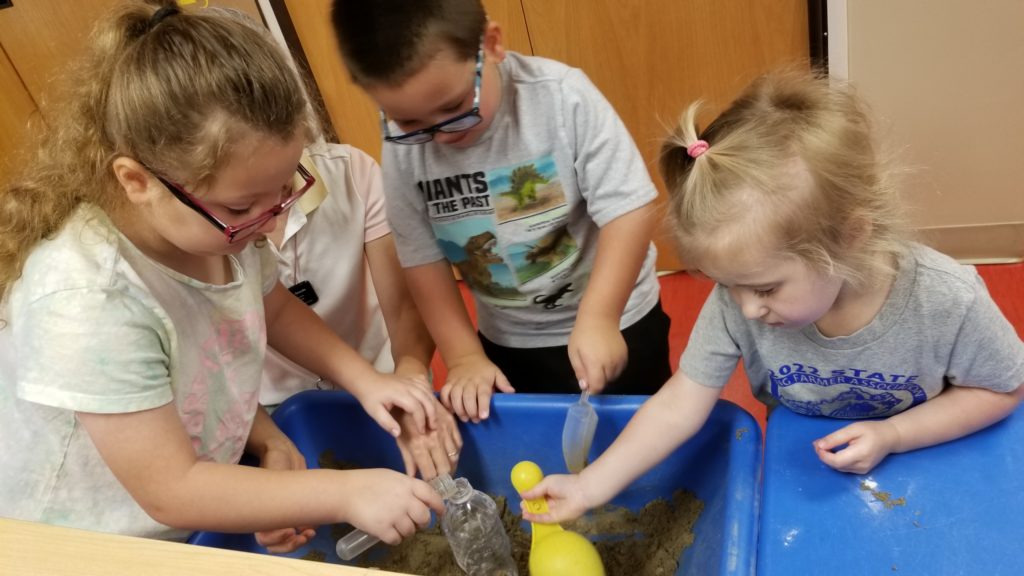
(95, 326)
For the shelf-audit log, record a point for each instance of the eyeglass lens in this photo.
(247, 229)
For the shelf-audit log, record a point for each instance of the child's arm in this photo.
(669, 418)
(152, 456)
(294, 330)
(956, 412)
(277, 452)
(597, 349)
(412, 349)
(471, 376)
(411, 345)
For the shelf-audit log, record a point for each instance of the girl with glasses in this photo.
(138, 301)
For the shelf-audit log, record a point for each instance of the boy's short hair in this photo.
(387, 41)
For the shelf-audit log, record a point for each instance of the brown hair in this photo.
(792, 163)
(172, 92)
(384, 42)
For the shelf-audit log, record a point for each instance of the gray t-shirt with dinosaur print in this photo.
(518, 212)
(938, 327)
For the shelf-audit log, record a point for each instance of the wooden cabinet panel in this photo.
(37, 39)
(353, 114)
(653, 57)
(15, 113)
(41, 35)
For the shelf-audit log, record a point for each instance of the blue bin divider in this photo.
(721, 464)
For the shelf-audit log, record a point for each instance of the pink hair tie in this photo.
(697, 148)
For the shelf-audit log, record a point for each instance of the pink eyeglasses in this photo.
(303, 179)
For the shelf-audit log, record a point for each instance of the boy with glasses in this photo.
(517, 171)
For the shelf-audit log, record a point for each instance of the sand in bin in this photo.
(648, 542)
(644, 543)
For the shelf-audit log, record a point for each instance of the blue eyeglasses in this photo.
(459, 123)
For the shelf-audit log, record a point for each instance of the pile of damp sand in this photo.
(648, 542)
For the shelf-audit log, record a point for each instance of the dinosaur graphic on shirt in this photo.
(550, 301)
(523, 188)
(479, 255)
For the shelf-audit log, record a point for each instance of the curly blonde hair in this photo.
(173, 92)
(791, 164)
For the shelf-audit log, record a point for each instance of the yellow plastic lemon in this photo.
(565, 553)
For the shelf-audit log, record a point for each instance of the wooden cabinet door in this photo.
(353, 114)
(15, 113)
(37, 37)
(651, 58)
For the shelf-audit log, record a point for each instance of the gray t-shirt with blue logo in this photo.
(938, 326)
(518, 212)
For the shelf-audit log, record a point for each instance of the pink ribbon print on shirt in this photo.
(218, 408)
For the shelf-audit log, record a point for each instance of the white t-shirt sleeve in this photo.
(368, 183)
(111, 353)
(407, 213)
(987, 352)
(610, 171)
(711, 355)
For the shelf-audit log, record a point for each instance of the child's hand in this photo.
(469, 386)
(283, 455)
(597, 352)
(565, 497)
(388, 504)
(387, 392)
(867, 443)
(433, 453)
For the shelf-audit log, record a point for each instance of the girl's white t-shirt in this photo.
(93, 325)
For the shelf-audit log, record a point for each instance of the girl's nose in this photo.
(752, 307)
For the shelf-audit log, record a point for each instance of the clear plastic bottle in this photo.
(475, 533)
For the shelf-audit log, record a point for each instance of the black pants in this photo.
(548, 369)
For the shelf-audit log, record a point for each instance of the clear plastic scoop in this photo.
(578, 433)
(356, 542)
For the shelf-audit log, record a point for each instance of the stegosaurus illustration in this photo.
(523, 188)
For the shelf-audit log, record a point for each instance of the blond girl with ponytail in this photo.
(785, 201)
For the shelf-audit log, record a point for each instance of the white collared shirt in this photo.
(323, 243)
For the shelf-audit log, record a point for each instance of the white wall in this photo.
(947, 79)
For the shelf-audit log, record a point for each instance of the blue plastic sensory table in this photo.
(955, 508)
(721, 465)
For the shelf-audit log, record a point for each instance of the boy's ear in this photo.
(494, 48)
(134, 178)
